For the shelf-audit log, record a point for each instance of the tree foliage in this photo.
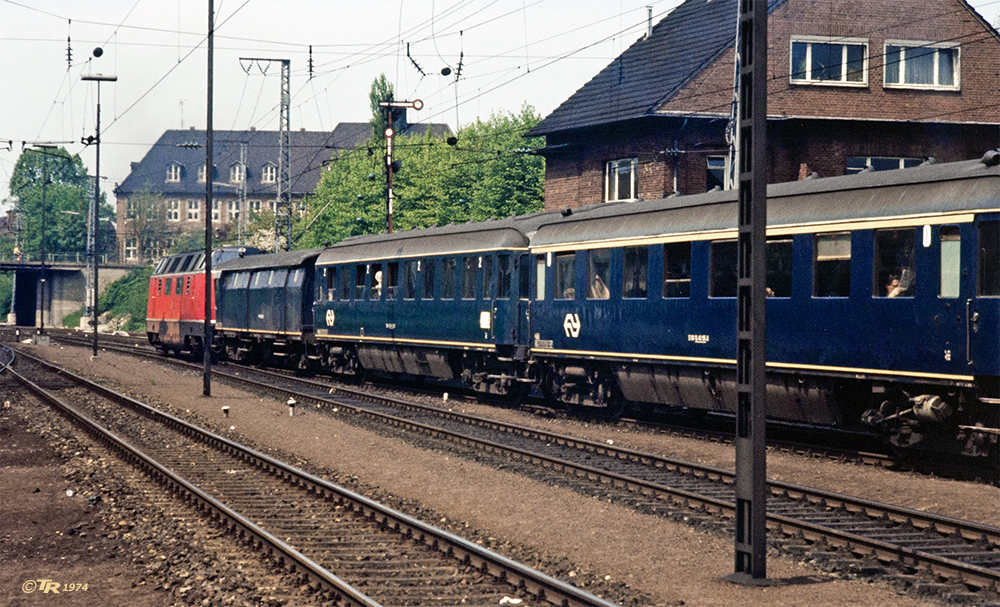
(146, 222)
(489, 173)
(62, 181)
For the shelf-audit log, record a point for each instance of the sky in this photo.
(511, 52)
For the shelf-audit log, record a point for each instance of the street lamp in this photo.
(92, 244)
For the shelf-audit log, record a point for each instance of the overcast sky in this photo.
(511, 52)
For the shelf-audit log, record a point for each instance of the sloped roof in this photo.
(653, 69)
(308, 151)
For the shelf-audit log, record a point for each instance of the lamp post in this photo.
(92, 243)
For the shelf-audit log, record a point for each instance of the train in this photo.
(883, 305)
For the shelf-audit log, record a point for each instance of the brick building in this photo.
(853, 85)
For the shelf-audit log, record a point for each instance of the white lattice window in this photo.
(173, 173)
(254, 206)
(620, 179)
(132, 248)
(925, 65)
(234, 210)
(839, 61)
(237, 173)
(201, 174)
(173, 210)
(269, 174)
(215, 211)
(194, 206)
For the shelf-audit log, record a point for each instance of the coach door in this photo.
(982, 313)
(523, 273)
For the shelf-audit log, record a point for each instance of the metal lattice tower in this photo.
(241, 203)
(283, 201)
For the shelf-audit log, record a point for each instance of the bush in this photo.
(127, 297)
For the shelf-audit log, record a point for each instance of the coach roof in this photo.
(283, 259)
(922, 192)
(512, 233)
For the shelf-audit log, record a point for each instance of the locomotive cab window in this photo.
(179, 286)
(832, 265)
(723, 273)
(565, 276)
(676, 269)
(989, 259)
(951, 261)
(449, 268)
(779, 267)
(895, 269)
(598, 274)
(635, 272)
(168, 286)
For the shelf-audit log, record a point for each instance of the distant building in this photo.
(853, 85)
(174, 171)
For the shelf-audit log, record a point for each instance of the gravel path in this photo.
(580, 538)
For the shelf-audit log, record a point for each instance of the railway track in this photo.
(356, 550)
(942, 555)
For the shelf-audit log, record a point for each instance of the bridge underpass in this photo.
(65, 290)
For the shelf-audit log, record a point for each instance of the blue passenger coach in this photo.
(883, 302)
(448, 303)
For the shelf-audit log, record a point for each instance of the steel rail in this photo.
(517, 574)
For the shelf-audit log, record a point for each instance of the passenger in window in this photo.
(892, 289)
(377, 289)
(599, 290)
(569, 293)
(769, 291)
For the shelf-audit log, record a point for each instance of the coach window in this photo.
(524, 277)
(410, 279)
(676, 270)
(723, 264)
(449, 269)
(989, 259)
(360, 271)
(779, 267)
(951, 261)
(489, 278)
(635, 272)
(469, 266)
(540, 278)
(345, 283)
(832, 265)
(428, 274)
(331, 284)
(598, 273)
(895, 272)
(392, 280)
(504, 272)
(565, 276)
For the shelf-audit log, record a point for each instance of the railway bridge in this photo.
(63, 292)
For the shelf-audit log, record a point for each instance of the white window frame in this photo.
(254, 206)
(901, 66)
(269, 173)
(201, 173)
(611, 172)
(844, 42)
(173, 210)
(194, 210)
(215, 211)
(174, 171)
(237, 173)
(901, 160)
(132, 248)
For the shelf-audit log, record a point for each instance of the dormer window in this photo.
(237, 173)
(923, 65)
(201, 174)
(269, 173)
(173, 172)
(839, 61)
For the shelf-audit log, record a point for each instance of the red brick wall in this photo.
(839, 121)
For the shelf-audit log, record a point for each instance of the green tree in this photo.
(381, 90)
(489, 173)
(146, 223)
(62, 180)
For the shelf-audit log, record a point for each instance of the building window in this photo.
(269, 174)
(132, 248)
(173, 173)
(827, 61)
(173, 210)
(254, 206)
(859, 164)
(237, 173)
(620, 179)
(921, 65)
(234, 210)
(215, 211)
(193, 207)
(201, 174)
(715, 175)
